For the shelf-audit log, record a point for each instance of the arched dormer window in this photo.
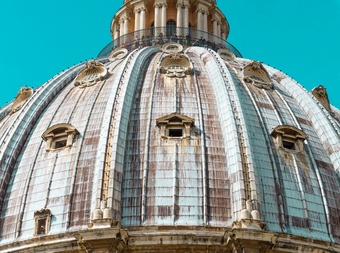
(256, 74)
(289, 138)
(59, 136)
(42, 220)
(175, 125)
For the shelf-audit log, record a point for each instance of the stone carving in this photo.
(92, 73)
(176, 65)
(226, 55)
(250, 218)
(321, 95)
(257, 75)
(118, 54)
(23, 95)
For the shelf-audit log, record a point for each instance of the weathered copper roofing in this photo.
(201, 181)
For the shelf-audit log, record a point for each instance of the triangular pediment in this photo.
(175, 118)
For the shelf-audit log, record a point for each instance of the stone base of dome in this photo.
(170, 239)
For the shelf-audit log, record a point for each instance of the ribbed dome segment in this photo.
(199, 148)
(170, 141)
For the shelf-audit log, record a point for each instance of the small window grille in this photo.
(176, 67)
(90, 77)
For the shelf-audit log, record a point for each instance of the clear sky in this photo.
(40, 38)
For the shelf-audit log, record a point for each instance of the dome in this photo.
(175, 144)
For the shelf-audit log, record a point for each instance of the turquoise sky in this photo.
(40, 38)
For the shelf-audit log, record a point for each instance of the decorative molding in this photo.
(250, 219)
(226, 55)
(23, 95)
(175, 65)
(118, 54)
(257, 75)
(92, 73)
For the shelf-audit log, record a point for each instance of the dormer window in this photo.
(289, 138)
(175, 126)
(59, 136)
(42, 220)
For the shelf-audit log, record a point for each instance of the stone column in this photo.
(199, 20)
(115, 31)
(157, 19)
(137, 19)
(179, 18)
(186, 18)
(121, 37)
(219, 29)
(142, 19)
(215, 27)
(163, 21)
(205, 21)
(121, 23)
(126, 25)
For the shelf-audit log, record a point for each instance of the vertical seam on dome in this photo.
(23, 203)
(147, 146)
(273, 162)
(203, 136)
(316, 169)
(240, 131)
(70, 204)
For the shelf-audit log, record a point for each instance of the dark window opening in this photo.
(170, 28)
(288, 145)
(41, 230)
(175, 132)
(60, 144)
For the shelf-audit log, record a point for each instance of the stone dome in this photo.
(170, 146)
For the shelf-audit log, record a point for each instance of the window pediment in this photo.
(175, 125)
(257, 75)
(59, 136)
(92, 73)
(289, 138)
